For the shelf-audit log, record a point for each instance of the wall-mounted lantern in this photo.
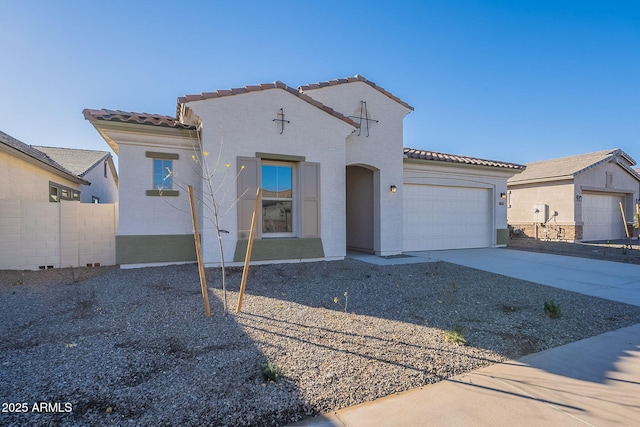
(579, 198)
(393, 189)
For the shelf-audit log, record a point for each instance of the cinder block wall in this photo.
(38, 235)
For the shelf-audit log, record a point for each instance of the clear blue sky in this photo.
(509, 80)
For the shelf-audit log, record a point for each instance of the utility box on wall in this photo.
(540, 213)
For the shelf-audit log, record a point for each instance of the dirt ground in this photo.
(616, 251)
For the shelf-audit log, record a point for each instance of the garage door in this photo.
(438, 217)
(601, 217)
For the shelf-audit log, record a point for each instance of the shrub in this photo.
(552, 309)
(455, 335)
(269, 372)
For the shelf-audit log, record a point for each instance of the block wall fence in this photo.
(38, 235)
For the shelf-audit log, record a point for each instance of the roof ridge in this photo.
(35, 154)
(38, 147)
(260, 87)
(608, 151)
(356, 78)
(76, 160)
(569, 167)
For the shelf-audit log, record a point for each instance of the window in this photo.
(53, 194)
(277, 199)
(290, 202)
(59, 192)
(162, 178)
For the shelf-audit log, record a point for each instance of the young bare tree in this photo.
(218, 185)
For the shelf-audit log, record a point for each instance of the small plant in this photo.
(270, 372)
(455, 335)
(552, 309)
(346, 300)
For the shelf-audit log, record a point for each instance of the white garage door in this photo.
(601, 217)
(437, 217)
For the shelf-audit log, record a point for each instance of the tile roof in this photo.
(130, 117)
(412, 153)
(264, 86)
(37, 155)
(356, 78)
(570, 166)
(77, 161)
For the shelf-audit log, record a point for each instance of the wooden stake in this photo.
(196, 236)
(624, 220)
(247, 258)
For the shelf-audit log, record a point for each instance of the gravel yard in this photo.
(104, 346)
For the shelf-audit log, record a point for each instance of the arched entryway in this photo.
(362, 205)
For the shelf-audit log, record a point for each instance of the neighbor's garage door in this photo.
(437, 217)
(601, 217)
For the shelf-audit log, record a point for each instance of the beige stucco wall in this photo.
(23, 180)
(242, 125)
(559, 197)
(65, 234)
(381, 150)
(623, 183)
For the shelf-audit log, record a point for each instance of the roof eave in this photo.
(511, 170)
(540, 180)
(35, 161)
(105, 126)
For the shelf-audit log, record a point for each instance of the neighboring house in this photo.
(38, 234)
(30, 175)
(576, 197)
(92, 165)
(330, 160)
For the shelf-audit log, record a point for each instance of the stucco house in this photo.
(29, 174)
(42, 222)
(330, 160)
(95, 166)
(575, 198)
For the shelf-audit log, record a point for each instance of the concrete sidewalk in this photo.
(594, 382)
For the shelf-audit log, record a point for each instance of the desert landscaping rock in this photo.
(133, 347)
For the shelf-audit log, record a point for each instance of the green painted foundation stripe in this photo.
(275, 249)
(147, 249)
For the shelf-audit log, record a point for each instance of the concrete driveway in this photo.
(605, 279)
